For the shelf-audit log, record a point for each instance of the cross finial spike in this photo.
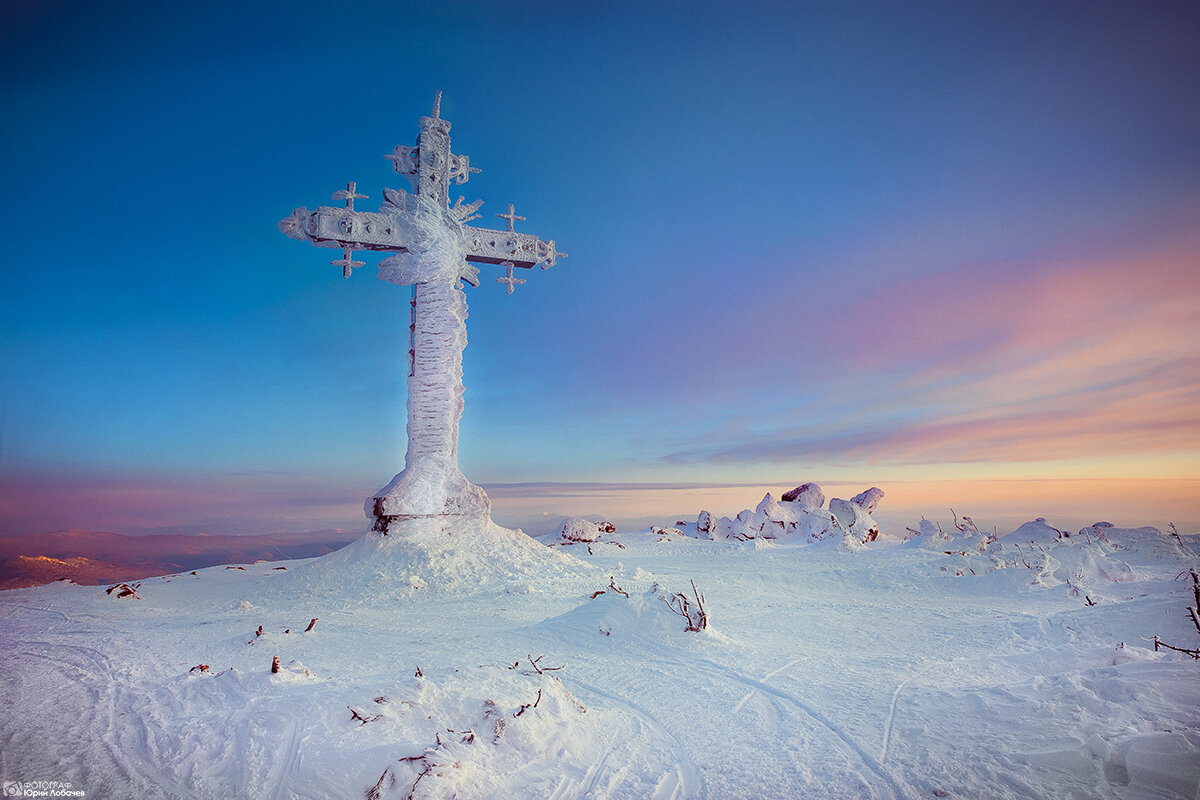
(437, 106)
(511, 216)
(349, 195)
(509, 280)
(347, 262)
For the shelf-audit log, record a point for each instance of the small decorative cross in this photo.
(512, 217)
(508, 280)
(348, 194)
(347, 263)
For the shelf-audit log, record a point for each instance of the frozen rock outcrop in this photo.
(854, 519)
(577, 529)
(807, 495)
(869, 499)
(799, 517)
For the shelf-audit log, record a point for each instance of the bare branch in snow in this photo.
(1193, 613)
(376, 791)
(695, 615)
(363, 720)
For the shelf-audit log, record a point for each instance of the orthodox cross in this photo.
(436, 252)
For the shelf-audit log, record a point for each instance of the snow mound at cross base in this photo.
(423, 556)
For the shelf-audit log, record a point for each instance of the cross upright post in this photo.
(436, 252)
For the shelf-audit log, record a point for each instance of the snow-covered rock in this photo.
(1038, 531)
(707, 526)
(869, 499)
(577, 529)
(794, 521)
(808, 495)
(854, 519)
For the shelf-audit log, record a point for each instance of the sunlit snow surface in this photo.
(896, 671)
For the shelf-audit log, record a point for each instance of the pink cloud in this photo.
(1038, 362)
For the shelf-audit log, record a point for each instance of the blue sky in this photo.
(836, 241)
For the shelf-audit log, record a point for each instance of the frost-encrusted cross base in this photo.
(435, 252)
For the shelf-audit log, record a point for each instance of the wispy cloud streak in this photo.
(1042, 362)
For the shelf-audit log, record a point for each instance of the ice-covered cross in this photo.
(435, 252)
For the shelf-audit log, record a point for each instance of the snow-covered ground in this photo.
(489, 665)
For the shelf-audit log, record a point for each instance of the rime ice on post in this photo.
(435, 252)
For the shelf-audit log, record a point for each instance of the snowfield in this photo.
(485, 664)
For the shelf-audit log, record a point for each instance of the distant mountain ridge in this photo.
(97, 557)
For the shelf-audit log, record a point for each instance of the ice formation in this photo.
(435, 252)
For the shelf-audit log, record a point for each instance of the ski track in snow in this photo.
(895, 792)
(286, 760)
(742, 703)
(681, 783)
(891, 717)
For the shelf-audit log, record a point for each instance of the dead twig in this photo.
(376, 791)
(1195, 610)
(541, 670)
(311, 624)
(612, 584)
(526, 706)
(1160, 643)
(1193, 613)
(201, 667)
(361, 719)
